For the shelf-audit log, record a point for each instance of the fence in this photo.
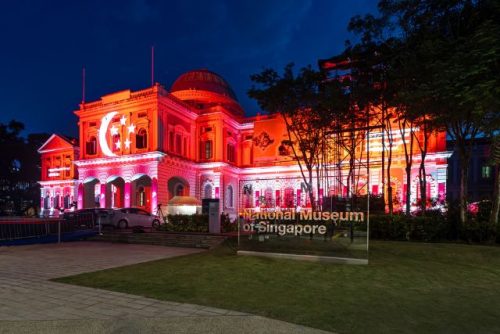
(20, 230)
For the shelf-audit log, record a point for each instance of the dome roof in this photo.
(203, 79)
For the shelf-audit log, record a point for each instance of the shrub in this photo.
(187, 223)
(227, 225)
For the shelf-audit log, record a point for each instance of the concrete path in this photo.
(29, 303)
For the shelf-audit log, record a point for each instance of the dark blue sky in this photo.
(44, 45)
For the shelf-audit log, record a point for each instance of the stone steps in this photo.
(162, 239)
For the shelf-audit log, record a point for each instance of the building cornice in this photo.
(141, 157)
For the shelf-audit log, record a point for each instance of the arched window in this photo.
(46, 202)
(289, 200)
(229, 197)
(207, 193)
(57, 200)
(179, 190)
(66, 201)
(141, 196)
(91, 146)
(268, 198)
(141, 139)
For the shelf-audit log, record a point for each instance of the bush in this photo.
(227, 225)
(387, 227)
(186, 223)
(431, 226)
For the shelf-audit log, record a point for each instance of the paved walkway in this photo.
(30, 303)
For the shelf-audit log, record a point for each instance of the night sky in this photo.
(45, 44)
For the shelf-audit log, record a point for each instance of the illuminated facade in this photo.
(59, 179)
(143, 148)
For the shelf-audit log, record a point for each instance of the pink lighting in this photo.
(154, 191)
(127, 194)
(102, 197)
(150, 145)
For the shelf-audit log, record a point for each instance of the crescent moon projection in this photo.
(102, 134)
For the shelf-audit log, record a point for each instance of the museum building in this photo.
(142, 148)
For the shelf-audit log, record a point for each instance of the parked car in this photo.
(92, 216)
(134, 217)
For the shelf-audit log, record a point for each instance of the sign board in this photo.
(330, 236)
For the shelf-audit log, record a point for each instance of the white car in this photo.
(134, 217)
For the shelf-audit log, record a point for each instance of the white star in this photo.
(114, 130)
(127, 143)
(118, 144)
(123, 120)
(131, 128)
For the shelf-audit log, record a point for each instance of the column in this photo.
(102, 196)
(127, 195)
(80, 196)
(154, 194)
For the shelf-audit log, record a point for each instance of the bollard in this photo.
(59, 231)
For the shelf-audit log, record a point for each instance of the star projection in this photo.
(103, 131)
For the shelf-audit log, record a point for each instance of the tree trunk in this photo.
(408, 189)
(495, 209)
(390, 201)
(422, 180)
(464, 172)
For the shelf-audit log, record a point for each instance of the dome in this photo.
(204, 80)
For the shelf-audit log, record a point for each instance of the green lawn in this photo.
(407, 288)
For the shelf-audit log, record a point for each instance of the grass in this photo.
(406, 288)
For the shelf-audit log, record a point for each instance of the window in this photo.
(289, 198)
(231, 156)
(171, 141)
(208, 191)
(206, 150)
(179, 190)
(229, 197)
(141, 139)
(91, 146)
(141, 196)
(268, 198)
(178, 144)
(15, 165)
(486, 172)
(66, 202)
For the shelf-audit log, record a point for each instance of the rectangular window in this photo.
(171, 141)
(178, 144)
(486, 172)
(91, 146)
(208, 150)
(231, 156)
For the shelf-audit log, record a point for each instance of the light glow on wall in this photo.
(102, 134)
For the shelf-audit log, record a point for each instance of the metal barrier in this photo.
(52, 229)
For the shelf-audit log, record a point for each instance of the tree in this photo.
(308, 104)
(443, 63)
(19, 168)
